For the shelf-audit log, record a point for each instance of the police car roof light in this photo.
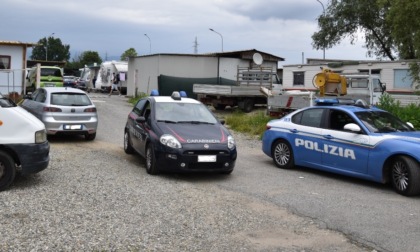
(334, 101)
(183, 93)
(326, 102)
(176, 96)
(154, 93)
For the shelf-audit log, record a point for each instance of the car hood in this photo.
(413, 136)
(195, 133)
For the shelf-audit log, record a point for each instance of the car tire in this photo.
(128, 148)
(405, 176)
(282, 154)
(248, 105)
(151, 160)
(90, 137)
(219, 106)
(7, 170)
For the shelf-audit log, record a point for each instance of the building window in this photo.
(4, 62)
(402, 79)
(372, 71)
(298, 78)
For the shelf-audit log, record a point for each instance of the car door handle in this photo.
(328, 137)
(294, 130)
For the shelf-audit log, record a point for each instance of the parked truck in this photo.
(244, 93)
(326, 83)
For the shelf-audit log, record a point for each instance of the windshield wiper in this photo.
(166, 121)
(195, 122)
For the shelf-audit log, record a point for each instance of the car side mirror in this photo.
(410, 124)
(141, 119)
(352, 127)
(222, 121)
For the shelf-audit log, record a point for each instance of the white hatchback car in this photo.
(63, 111)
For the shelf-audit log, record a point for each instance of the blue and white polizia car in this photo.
(352, 140)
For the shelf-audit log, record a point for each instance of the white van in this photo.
(23, 143)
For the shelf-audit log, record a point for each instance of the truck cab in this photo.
(23, 143)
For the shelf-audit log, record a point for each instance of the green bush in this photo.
(409, 113)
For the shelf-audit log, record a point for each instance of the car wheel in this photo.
(7, 170)
(405, 176)
(150, 160)
(90, 137)
(219, 106)
(128, 148)
(248, 105)
(282, 154)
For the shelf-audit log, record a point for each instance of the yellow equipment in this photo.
(330, 83)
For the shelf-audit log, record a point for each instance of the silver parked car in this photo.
(63, 111)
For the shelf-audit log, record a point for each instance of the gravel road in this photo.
(94, 197)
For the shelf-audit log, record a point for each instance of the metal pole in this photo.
(219, 34)
(323, 14)
(150, 44)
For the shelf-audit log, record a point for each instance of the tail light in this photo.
(90, 110)
(51, 109)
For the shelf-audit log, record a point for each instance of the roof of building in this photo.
(243, 54)
(16, 43)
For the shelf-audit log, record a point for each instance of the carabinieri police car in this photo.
(176, 133)
(353, 140)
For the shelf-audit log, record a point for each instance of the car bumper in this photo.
(54, 127)
(187, 160)
(33, 157)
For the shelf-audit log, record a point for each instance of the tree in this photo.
(406, 32)
(51, 49)
(346, 18)
(128, 53)
(89, 58)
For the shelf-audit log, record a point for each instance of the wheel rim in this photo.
(400, 176)
(148, 158)
(2, 168)
(282, 154)
(125, 140)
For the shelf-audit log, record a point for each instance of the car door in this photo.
(305, 137)
(344, 150)
(133, 126)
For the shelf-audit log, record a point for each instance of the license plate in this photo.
(207, 158)
(49, 84)
(72, 127)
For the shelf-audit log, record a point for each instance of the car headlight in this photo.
(170, 141)
(231, 142)
(40, 136)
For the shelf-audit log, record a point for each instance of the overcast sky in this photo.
(279, 27)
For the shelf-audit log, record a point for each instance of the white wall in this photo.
(386, 68)
(143, 71)
(12, 81)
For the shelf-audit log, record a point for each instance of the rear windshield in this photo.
(70, 99)
(50, 72)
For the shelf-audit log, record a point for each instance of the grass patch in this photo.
(408, 113)
(253, 123)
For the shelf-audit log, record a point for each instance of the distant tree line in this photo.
(52, 49)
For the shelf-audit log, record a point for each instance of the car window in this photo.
(309, 117)
(70, 99)
(41, 96)
(183, 112)
(338, 119)
(382, 122)
(138, 108)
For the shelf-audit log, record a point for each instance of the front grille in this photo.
(205, 152)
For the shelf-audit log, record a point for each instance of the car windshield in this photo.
(70, 99)
(183, 113)
(382, 122)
